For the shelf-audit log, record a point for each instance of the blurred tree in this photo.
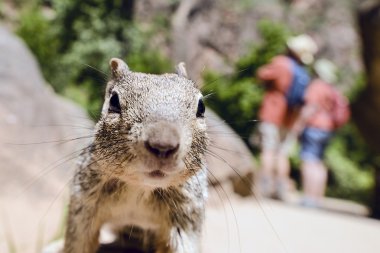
(366, 109)
(74, 47)
(108, 18)
(237, 98)
(91, 32)
(37, 33)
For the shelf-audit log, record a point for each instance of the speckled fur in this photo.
(111, 186)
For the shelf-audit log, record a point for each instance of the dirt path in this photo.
(275, 227)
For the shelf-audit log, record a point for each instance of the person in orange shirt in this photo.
(316, 125)
(276, 115)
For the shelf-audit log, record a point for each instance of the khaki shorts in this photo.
(276, 138)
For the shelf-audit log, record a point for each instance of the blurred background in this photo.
(54, 65)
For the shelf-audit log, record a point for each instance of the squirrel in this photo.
(145, 166)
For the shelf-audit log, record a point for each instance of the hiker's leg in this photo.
(283, 165)
(270, 139)
(314, 178)
(314, 172)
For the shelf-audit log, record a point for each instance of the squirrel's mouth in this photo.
(157, 174)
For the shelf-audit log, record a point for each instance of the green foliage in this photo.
(40, 36)
(143, 57)
(350, 160)
(95, 31)
(358, 87)
(351, 164)
(74, 48)
(237, 98)
(237, 101)
(274, 36)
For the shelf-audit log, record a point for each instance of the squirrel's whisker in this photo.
(218, 184)
(52, 141)
(96, 69)
(241, 154)
(48, 169)
(54, 200)
(254, 195)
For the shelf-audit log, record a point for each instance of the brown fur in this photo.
(145, 167)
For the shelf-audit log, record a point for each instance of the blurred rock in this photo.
(228, 158)
(212, 34)
(38, 147)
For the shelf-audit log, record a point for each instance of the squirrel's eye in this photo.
(201, 109)
(114, 106)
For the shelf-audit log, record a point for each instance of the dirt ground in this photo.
(268, 226)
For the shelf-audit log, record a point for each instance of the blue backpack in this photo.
(301, 79)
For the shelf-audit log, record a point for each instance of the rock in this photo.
(228, 158)
(212, 34)
(38, 148)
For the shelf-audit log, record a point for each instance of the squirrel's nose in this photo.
(162, 139)
(161, 149)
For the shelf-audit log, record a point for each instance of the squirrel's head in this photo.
(152, 131)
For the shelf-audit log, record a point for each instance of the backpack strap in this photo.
(296, 93)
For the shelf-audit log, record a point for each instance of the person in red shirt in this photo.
(317, 124)
(276, 116)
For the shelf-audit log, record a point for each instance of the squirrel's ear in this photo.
(181, 69)
(119, 68)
